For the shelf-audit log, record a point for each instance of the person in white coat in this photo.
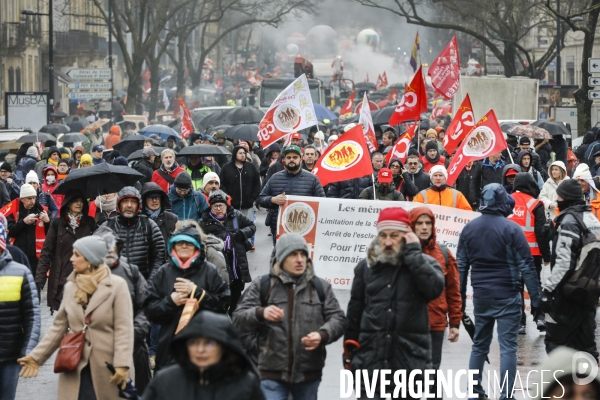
(557, 173)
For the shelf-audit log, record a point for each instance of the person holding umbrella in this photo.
(145, 166)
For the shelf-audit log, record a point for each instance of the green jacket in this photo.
(198, 176)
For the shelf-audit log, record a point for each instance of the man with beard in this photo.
(168, 171)
(387, 313)
(293, 181)
(416, 174)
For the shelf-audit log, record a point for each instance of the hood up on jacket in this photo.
(234, 152)
(218, 327)
(520, 157)
(214, 242)
(188, 233)
(47, 168)
(129, 192)
(505, 170)
(69, 197)
(525, 183)
(152, 187)
(272, 148)
(495, 200)
(589, 137)
(560, 165)
(414, 214)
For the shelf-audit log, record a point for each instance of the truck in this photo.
(270, 88)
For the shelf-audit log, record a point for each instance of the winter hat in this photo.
(438, 168)
(582, 172)
(431, 145)
(511, 172)
(6, 167)
(524, 140)
(385, 175)
(149, 152)
(210, 176)
(319, 135)
(27, 191)
(32, 177)
(115, 130)
(570, 189)
(64, 153)
(92, 248)
(85, 158)
(183, 181)
(120, 161)
(393, 218)
(332, 138)
(2, 238)
(32, 151)
(431, 132)
(217, 196)
(66, 161)
(287, 244)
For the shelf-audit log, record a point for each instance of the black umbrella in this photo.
(383, 116)
(137, 155)
(242, 115)
(242, 132)
(204, 150)
(76, 126)
(99, 179)
(470, 328)
(554, 128)
(213, 119)
(73, 137)
(59, 114)
(36, 137)
(55, 129)
(131, 144)
(218, 128)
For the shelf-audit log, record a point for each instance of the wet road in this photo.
(455, 355)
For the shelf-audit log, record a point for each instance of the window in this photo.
(11, 79)
(551, 74)
(18, 79)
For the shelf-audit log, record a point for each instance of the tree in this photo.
(588, 27)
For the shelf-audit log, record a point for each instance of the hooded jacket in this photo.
(159, 306)
(228, 379)
(524, 183)
(536, 161)
(404, 186)
(243, 185)
(190, 206)
(588, 139)
(387, 313)
(143, 243)
(282, 355)
(448, 306)
(19, 310)
(420, 179)
(496, 251)
(145, 168)
(58, 249)
(266, 162)
(214, 255)
(531, 170)
(49, 189)
(484, 172)
(166, 220)
(548, 194)
(162, 182)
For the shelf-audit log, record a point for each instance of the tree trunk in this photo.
(509, 62)
(181, 45)
(134, 84)
(155, 82)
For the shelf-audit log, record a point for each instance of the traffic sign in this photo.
(89, 95)
(593, 81)
(593, 65)
(89, 73)
(98, 85)
(594, 94)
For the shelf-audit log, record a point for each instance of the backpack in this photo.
(21, 170)
(581, 285)
(265, 284)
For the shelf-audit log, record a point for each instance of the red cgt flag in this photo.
(461, 124)
(393, 96)
(384, 79)
(349, 106)
(187, 126)
(400, 149)
(379, 83)
(445, 70)
(346, 158)
(483, 140)
(413, 103)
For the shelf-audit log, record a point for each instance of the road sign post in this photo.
(89, 73)
(89, 95)
(594, 94)
(90, 85)
(593, 65)
(593, 81)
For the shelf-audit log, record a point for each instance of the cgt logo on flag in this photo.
(287, 117)
(344, 155)
(480, 141)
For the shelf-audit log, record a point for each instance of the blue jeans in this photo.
(507, 313)
(154, 336)
(277, 390)
(251, 215)
(9, 377)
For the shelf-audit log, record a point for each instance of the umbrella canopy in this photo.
(73, 137)
(35, 137)
(99, 179)
(554, 128)
(10, 145)
(137, 155)
(162, 130)
(75, 126)
(242, 115)
(528, 130)
(204, 150)
(383, 116)
(98, 124)
(242, 132)
(213, 119)
(324, 113)
(55, 129)
(131, 143)
(59, 114)
(216, 129)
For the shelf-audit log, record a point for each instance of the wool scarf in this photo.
(87, 284)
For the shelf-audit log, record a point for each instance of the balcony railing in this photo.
(14, 34)
(79, 42)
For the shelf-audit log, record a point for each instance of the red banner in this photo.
(484, 140)
(461, 124)
(413, 103)
(349, 106)
(379, 83)
(393, 96)
(346, 158)
(384, 79)
(402, 145)
(187, 126)
(445, 70)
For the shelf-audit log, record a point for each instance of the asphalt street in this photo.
(455, 355)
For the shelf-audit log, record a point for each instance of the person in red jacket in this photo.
(447, 307)
(114, 137)
(168, 171)
(432, 156)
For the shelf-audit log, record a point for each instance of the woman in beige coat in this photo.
(91, 289)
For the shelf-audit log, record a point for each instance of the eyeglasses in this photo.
(183, 243)
(218, 206)
(154, 198)
(412, 163)
(182, 190)
(394, 167)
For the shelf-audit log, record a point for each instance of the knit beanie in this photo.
(431, 145)
(582, 172)
(570, 189)
(6, 167)
(432, 132)
(32, 177)
(120, 161)
(217, 196)
(85, 158)
(27, 191)
(287, 244)
(438, 168)
(92, 248)
(32, 151)
(183, 181)
(210, 176)
(393, 218)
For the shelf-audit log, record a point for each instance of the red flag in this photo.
(11, 208)
(402, 145)
(379, 83)
(384, 79)
(367, 78)
(445, 70)
(393, 96)
(187, 126)
(413, 103)
(346, 158)
(483, 140)
(440, 110)
(349, 106)
(461, 124)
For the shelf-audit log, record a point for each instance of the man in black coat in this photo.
(416, 174)
(155, 203)
(387, 313)
(489, 170)
(536, 161)
(145, 166)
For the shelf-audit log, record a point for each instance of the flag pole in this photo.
(373, 180)
(419, 50)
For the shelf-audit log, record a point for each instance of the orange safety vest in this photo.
(523, 215)
(12, 208)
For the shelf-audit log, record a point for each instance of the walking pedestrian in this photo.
(168, 171)
(45, 199)
(440, 193)
(186, 202)
(383, 189)
(557, 173)
(155, 203)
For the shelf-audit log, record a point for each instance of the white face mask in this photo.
(50, 179)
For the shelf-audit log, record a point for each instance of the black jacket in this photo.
(144, 167)
(482, 174)
(580, 151)
(536, 162)
(349, 189)
(387, 313)
(243, 187)
(166, 220)
(159, 306)
(266, 160)
(246, 228)
(420, 179)
(228, 379)
(24, 234)
(463, 185)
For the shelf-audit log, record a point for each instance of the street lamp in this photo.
(50, 56)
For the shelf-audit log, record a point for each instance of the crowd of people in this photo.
(122, 267)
